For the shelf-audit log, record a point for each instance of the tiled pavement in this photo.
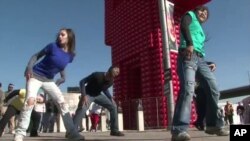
(130, 135)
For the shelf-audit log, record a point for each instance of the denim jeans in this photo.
(48, 122)
(103, 101)
(186, 71)
(33, 85)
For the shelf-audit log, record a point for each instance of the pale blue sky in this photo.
(228, 28)
(28, 25)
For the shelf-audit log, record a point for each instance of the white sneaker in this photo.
(18, 137)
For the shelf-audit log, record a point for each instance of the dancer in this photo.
(96, 83)
(191, 60)
(55, 57)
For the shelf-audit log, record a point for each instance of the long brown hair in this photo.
(71, 39)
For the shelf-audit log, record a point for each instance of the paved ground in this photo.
(131, 135)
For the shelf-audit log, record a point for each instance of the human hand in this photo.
(28, 73)
(212, 67)
(189, 52)
(5, 102)
(84, 101)
(59, 81)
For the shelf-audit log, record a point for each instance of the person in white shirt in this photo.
(36, 115)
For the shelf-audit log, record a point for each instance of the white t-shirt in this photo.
(95, 108)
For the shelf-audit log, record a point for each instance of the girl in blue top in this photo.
(40, 74)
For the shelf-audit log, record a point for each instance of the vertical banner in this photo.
(166, 10)
(169, 14)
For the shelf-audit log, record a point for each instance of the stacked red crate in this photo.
(133, 31)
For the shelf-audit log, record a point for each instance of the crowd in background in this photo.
(44, 116)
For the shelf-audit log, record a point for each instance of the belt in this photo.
(181, 51)
(198, 54)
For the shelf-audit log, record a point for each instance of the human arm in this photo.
(62, 79)
(10, 95)
(185, 22)
(2, 96)
(211, 65)
(84, 98)
(238, 111)
(241, 110)
(29, 69)
(82, 86)
(231, 109)
(226, 110)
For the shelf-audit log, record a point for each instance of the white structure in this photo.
(120, 121)
(103, 121)
(140, 117)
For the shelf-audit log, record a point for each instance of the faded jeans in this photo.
(33, 85)
(186, 71)
(103, 101)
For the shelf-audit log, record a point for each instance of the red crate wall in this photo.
(135, 36)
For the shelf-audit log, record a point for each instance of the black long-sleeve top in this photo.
(10, 95)
(95, 83)
(185, 22)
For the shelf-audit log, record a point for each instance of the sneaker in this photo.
(117, 133)
(217, 131)
(183, 136)
(200, 127)
(18, 137)
(81, 129)
(66, 135)
(34, 135)
(75, 137)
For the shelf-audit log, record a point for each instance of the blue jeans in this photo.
(103, 101)
(186, 71)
